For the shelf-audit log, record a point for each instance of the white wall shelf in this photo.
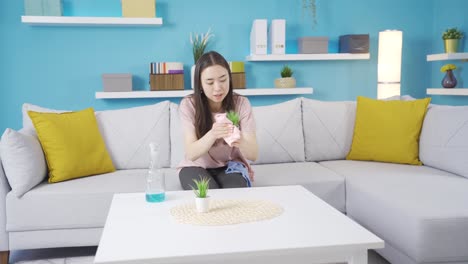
(274, 91)
(447, 56)
(308, 57)
(182, 93)
(448, 91)
(90, 21)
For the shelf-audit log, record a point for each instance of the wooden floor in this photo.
(40, 254)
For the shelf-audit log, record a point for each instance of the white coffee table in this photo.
(308, 231)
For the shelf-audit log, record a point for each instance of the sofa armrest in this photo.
(4, 189)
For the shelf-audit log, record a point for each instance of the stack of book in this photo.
(166, 76)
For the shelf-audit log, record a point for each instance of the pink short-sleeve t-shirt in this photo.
(220, 153)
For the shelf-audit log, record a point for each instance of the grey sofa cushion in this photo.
(444, 139)
(128, 132)
(328, 129)
(27, 123)
(319, 180)
(23, 160)
(78, 203)
(420, 210)
(279, 136)
(279, 132)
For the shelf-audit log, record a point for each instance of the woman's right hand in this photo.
(221, 130)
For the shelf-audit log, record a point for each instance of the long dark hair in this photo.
(203, 115)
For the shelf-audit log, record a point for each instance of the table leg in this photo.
(360, 257)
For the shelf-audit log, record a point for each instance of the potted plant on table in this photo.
(449, 80)
(199, 43)
(451, 39)
(202, 200)
(286, 80)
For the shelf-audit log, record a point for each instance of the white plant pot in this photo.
(192, 76)
(202, 204)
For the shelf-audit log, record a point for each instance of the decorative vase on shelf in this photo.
(199, 43)
(449, 80)
(192, 76)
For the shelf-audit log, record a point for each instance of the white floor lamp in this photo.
(389, 63)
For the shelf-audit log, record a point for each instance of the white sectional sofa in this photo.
(420, 211)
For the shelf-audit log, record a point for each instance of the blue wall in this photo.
(61, 67)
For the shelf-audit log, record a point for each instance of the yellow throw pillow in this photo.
(388, 131)
(72, 144)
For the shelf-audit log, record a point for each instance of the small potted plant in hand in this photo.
(230, 117)
(451, 39)
(235, 119)
(286, 80)
(202, 200)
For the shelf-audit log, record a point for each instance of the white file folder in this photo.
(278, 36)
(258, 37)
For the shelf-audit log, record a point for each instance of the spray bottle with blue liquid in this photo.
(155, 181)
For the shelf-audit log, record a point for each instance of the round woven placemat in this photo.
(227, 212)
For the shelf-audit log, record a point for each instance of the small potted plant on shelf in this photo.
(202, 200)
(449, 80)
(286, 80)
(451, 39)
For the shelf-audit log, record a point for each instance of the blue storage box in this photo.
(43, 8)
(354, 43)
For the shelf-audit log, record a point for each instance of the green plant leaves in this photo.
(452, 33)
(286, 71)
(199, 43)
(234, 117)
(203, 185)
